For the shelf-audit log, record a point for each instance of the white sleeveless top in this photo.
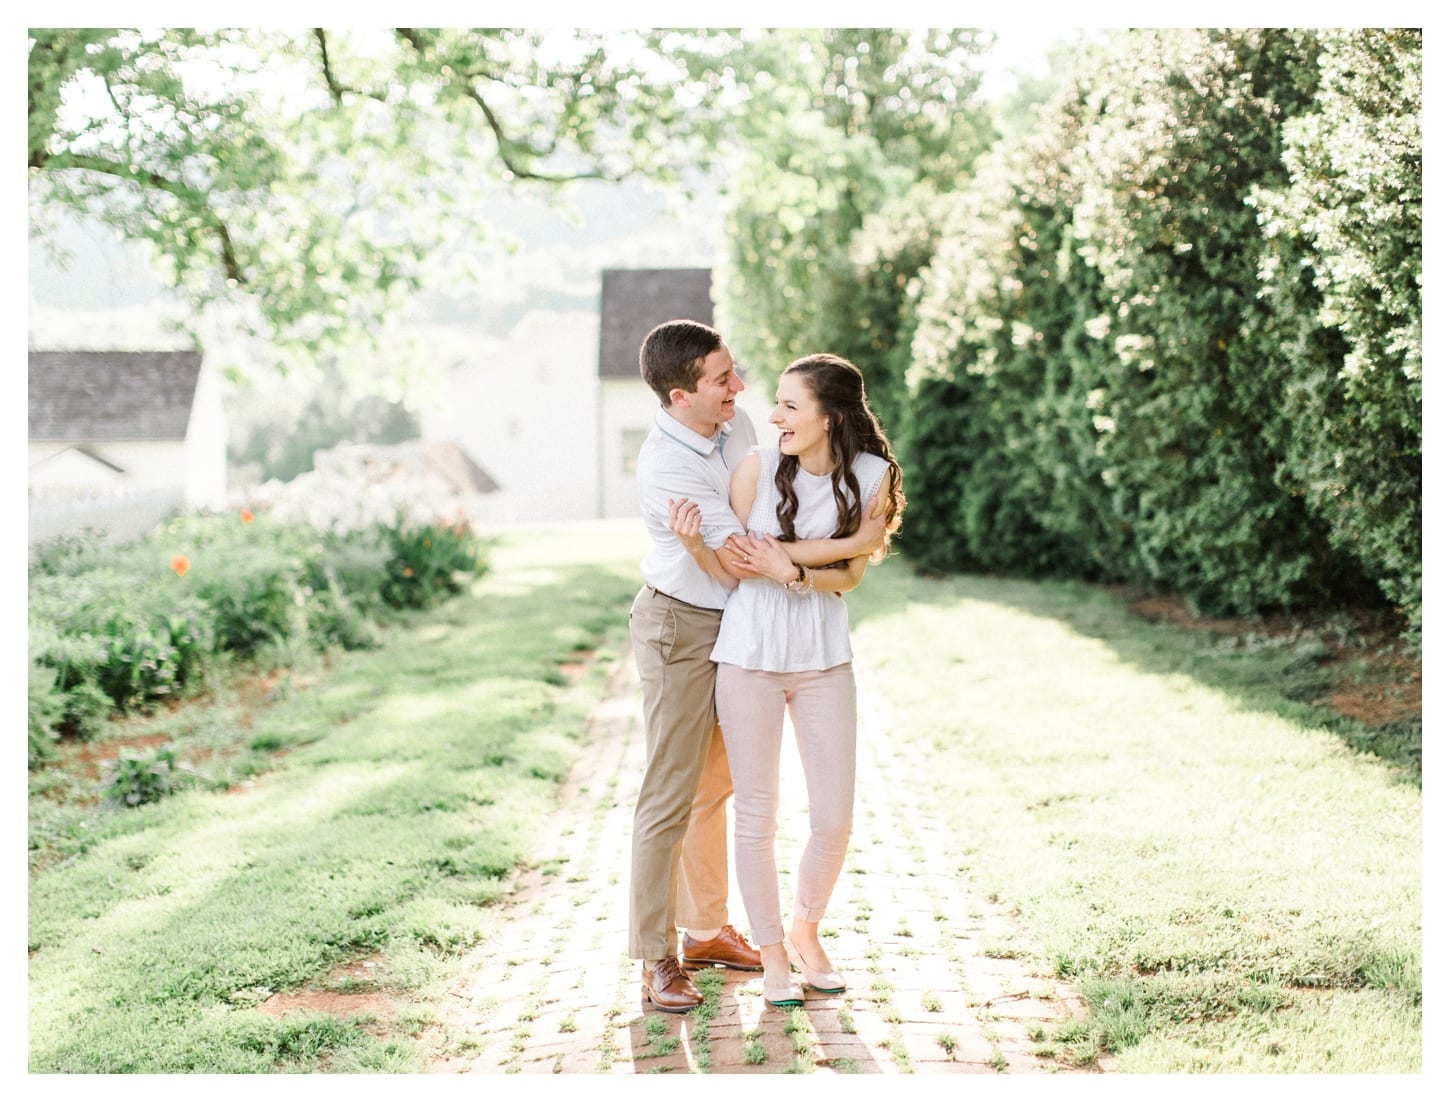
(766, 626)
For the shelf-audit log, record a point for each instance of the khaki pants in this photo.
(678, 864)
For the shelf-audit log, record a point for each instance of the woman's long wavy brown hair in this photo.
(840, 390)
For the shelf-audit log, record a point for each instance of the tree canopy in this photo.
(312, 178)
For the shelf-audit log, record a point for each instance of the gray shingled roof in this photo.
(634, 300)
(453, 463)
(80, 396)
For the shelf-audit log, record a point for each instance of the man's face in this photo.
(713, 400)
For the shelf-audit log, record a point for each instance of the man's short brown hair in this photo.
(673, 355)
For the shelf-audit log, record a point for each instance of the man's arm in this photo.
(743, 480)
(685, 524)
(766, 557)
(866, 540)
(687, 519)
(839, 579)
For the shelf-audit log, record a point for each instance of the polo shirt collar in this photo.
(701, 445)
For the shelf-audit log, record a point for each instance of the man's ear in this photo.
(680, 397)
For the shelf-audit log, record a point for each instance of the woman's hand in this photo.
(685, 524)
(764, 556)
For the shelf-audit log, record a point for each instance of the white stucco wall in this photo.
(205, 484)
(626, 412)
(524, 408)
(58, 468)
(71, 492)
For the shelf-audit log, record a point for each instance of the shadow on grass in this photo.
(1281, 675)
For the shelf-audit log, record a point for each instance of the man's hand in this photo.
(685, 524)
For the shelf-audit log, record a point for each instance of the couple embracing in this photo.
(740, 619)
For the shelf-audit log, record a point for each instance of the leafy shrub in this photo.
(336, 618)
(1171, 336)
(1343, 278)
(109, 634)
(46, 706)
(87, 708)
(132, 780)
(142, 660)
(873, 301)
(428, 563)
(116, 630)
(355, 564)
(256, 594)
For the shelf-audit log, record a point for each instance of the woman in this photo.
(784, 644)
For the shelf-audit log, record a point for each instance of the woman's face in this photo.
(804, 429)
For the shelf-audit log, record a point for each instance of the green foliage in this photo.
(1192, 448)
(117, 640)
(141, 661)
(133, 780)
(793, 208)
(345, 595)
(428, 563)
(313, 180)
(944, 410)
(410, 795)
(871, 302)
(255, 591)
(838, 123)
(998, 318)
(118, 630)
(282, 438)
(45, 708)
(1134, 354)
(1344, 277)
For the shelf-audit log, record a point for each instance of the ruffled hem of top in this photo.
(806, 631)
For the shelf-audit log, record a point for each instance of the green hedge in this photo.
(1344, 280)
(1171, 336)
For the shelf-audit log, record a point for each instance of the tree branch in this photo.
(505, 144)
(157, 182)
(334, 89)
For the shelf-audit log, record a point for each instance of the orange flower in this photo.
(181, 564)
(407, 571)
(246, 516)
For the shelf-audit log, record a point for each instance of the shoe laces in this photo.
(669, 970)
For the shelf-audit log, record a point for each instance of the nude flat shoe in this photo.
(827, 983)
(785, 997)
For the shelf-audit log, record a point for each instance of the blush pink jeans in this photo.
(752, 705)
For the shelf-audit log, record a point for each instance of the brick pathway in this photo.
(558, 995)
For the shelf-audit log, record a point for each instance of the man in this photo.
(679, 871)
(679, 874)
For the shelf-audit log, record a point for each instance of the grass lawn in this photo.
(1234, 886)
(1229, 876)
(405, 784)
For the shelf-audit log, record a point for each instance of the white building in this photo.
(556, 411)
(120, 439)
(523, 409)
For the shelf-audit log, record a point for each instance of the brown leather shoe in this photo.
(727, 948)
(668, 988)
